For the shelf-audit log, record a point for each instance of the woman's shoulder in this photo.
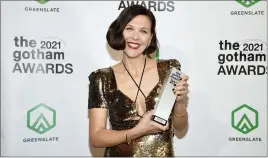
(100, 73)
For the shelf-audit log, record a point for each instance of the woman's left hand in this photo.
(181, 88)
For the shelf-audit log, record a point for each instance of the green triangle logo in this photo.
(247, 3)
(243, 123)
(38, 116)
(42, 1)
(245, 128)
(41, 128)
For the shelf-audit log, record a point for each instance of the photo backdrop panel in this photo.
(48, 50)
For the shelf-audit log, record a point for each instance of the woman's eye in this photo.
(128, 28)
(143, 31)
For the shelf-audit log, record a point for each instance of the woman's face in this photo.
(137, 35)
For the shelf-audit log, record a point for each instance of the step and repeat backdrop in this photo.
(48, 49)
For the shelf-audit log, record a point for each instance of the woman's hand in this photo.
(181, 88)
(148, 126)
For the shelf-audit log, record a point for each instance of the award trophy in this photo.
(167, 97)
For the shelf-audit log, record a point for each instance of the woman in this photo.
(128, 90)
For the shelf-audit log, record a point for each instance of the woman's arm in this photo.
(100, 136)
(180, 116)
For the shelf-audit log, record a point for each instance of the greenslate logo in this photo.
(41, 118)
(247, 3)
(245, 119)
(42, 1)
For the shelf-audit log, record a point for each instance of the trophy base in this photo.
(159, 120)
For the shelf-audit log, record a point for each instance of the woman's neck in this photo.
(134, 65)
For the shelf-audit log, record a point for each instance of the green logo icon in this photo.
(42, 1)
(247, 3)
(41, 118)
(245, 119)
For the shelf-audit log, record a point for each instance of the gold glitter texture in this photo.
(103, 93)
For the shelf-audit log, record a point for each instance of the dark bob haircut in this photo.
(114, 34)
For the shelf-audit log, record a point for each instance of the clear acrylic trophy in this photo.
(167, 97)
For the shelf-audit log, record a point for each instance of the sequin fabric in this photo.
(103, 93)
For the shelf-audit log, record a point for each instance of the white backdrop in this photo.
(190, 33)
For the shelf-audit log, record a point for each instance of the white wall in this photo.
(191, 33)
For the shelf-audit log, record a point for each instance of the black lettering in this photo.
(68, 67)
(250, 57)
(17, 55)
(229, 57)
(58, 55)
(40, 68)
(16, 39)
(231, 70)
(121, 5)
(32, 43)
(221, 58)
(23, 41)
(221, 70)
(170, 6)
(40, 53)
(251, 68)
(50, 66)
(49, 55)
(259, 68)
(221, 45)
(231, 138)
(228, 45)
(161, 8)
(26, 55)
(241, 54)
(16, 68)
(151, 5)
(28, 67)
(260, 57)
(59, 68)
(235, 56)
(131, 3)
(242, 70)
(143, 4)
(33, 54)
(236, 46)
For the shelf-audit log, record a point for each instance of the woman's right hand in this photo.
(148, 126)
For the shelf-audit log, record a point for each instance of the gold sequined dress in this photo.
(103, 93)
